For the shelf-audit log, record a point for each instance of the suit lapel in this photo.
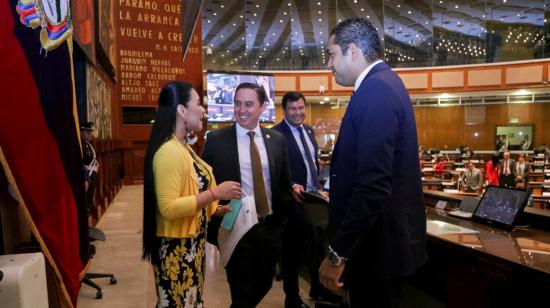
(269, 148)
(309, 131)
(233, 151)
(290, 136)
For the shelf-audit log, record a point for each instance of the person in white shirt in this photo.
(507, 171)
(257, 158)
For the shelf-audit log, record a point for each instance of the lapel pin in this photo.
(267, 136)
(309, 132)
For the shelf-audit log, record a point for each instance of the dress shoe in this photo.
(296, 304)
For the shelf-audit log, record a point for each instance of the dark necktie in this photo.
(260, 195)
(506, 167)
(309, 159)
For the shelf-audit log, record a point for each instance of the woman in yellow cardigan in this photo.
(180, 195)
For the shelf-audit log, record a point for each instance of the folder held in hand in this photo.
(229, 218)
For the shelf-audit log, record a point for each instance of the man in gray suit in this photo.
(507, 171)
(472, 178)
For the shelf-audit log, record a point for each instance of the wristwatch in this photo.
(334, 259)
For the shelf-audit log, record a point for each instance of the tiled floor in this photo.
(121, 255)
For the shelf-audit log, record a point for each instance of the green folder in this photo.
(229, 218)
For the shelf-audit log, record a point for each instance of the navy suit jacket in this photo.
(221, 153)
(376, 211)
(297, 162)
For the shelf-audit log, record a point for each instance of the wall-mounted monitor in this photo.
(220, 91)
(514, 137)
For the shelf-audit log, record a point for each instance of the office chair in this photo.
(96, 234)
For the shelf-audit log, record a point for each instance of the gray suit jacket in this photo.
(472, 180)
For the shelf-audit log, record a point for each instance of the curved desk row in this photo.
(488, 268)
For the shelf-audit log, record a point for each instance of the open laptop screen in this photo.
(501, 206)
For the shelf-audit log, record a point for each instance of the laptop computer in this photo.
(467, 207)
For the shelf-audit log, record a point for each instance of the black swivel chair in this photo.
(96, 234)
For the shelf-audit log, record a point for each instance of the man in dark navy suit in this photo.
(302, 151)
(377, 219)
(257, 158)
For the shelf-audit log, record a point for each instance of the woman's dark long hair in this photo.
(494, 160)
(173, 94)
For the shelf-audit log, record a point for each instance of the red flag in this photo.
(39, 140)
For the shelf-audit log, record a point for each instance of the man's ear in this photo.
(356, 52)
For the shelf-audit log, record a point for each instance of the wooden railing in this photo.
(110, 154)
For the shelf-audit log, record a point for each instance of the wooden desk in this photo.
(541, 202)
(431, 184)
(492, 268)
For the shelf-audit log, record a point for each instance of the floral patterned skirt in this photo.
(179, 275)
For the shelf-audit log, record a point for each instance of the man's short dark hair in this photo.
(361, 32)
(262, 97)
(292, 96)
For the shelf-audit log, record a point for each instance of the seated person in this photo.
(491, 171)
(438, 167)
(522, 171)
(472, 178)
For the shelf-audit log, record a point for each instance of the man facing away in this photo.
(377, 219)
(256, 157)
(302, 150)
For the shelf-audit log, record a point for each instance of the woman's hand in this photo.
(228, 190)
(222, 210)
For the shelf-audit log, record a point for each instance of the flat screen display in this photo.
(220, 92)
(501, 206)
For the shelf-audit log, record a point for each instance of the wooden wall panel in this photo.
(438, 126)
(415, 81)
(541, 117)
(484, 77)
(524, 74)
(447, 79)
(312, 83)
(285, 83)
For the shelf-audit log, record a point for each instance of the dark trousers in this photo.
(375, 293)
(252, 265)
(364, 290)
(91, 191)
(299, 244)
(507, 181)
